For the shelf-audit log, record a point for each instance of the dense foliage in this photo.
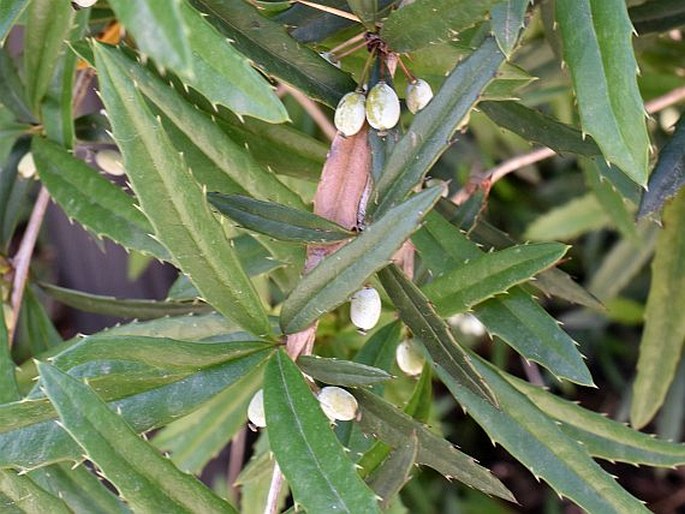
(459, 249)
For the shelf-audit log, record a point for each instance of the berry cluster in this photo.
(380, 107)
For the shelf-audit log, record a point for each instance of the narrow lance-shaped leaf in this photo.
(267, 44)
(392, 426)
(204, 133)
(94, 201)
(538, 443)
(395, 471)
(668, 176)
(147, 480)
(419, 24)
(570, 220)
(515, 317)
(159, 29)
(25, 496)
(601, 436)
(12, 91)
(430, 133)
(319, 472)
(341, 372)
(449, 358)
(596, 37)
(224, 76)
(508, 18)
(344, 272)
(278, 221)
(174, 202)
(122, 308)
(477, 280)
(664, 333)
(366, 11)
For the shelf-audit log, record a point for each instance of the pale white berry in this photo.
(382, 107)
(350, 114)
(27, 166)
(84, 3)
(365, 308)
(418, 94)
(468, 324)
(110, 162)
(255, 410)
(409, 358)
(337, 404)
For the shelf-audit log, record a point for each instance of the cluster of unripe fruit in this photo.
(335, 402)
(381, 107)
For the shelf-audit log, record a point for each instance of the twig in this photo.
(235, 462)
(22, 259)
(518, 162)
(330, 10)
(271, 506)
(347, 43)
(311, 108)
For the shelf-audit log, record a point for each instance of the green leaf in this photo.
(122, 308)
(27, 497)
(175, 203)
(431, 131)
(366, 11)
(95, 202)
(657, 16)
(30, 438)
(395, 472)
(474, 281)
(449, 358)
(507, 20)
(320, 474)
(664, 333)
(600, 436)
(392, 426)
(267, 44)
(35, 330)
(537, 127)
(608, 197)
(56, 107)
(80, 489)
(344, 272)
(224, 76)
(569, 221)
(203, 132)
(176, 354)
(668, 176)
(538, 443)
(596, 37)
(12, 91)
(10, 10)
(160, 31)
(199, 437)
(278, 221)
(341, 372)
(282, 148)
(147, 481)
(417, 25)
(47, 27)
(516, 317)
(8, 381)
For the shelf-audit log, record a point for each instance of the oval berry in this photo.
(365, 308)
(255, 410)
(419, 93)
(27, 166)
(382, 107)
(409, 358)
(350, 114)
(110, 162)
(337, 404)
